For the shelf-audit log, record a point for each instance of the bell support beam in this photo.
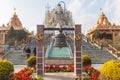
(58, 28)
(40, 50)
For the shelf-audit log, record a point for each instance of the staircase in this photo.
(97, 55)
(16, 58)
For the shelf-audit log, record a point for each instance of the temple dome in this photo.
(102, 20)
(15, 22)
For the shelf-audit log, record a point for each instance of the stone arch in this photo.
(40, 50)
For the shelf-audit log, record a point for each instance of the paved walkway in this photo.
(60, 76)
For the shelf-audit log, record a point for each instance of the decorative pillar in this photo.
(113, 37)
(3, 37)
(40, 50)
(77, 54)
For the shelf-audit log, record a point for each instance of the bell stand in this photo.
(77, 50)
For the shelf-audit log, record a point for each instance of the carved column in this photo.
(3, 37)
(113, 37)
(77, 54)
(40, 50)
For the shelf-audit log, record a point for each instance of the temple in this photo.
(13, 22)
(103, 32)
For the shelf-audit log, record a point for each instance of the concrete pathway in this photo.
(18, 67)
(60, 76)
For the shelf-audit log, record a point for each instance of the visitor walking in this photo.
(34, 51)
(23, 51)
(28, 51)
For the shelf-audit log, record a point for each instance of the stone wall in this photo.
(62, 61)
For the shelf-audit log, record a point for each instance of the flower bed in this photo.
(58, 68)
(93, 73)
(24, 74)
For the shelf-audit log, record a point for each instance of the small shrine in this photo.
(103, 32)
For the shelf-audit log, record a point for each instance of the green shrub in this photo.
(31, 61)
(86, 60)
(40, 78)
(6, 69)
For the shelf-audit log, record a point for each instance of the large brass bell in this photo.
(60, 40)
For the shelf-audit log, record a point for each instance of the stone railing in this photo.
(114, 50)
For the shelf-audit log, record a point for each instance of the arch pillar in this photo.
(77, 51)
(40, 50)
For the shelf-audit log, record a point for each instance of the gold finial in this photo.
(14, 9)
(100, 9)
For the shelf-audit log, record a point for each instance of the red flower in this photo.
(52, 66)
(64, 68)
(71, 67)
(47, 68)
(24, 74)
(57, 66)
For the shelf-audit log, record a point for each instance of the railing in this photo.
(114, 50)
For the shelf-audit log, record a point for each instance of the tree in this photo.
(21, 35)
(11, 36)
(11, 33)
(110, 70)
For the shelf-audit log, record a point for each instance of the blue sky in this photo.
(84, 12)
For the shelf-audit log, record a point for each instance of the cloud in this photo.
(92, 3)
(87, 22)
(108, 6)
(81, 15)
(116, 17)
(75, 5)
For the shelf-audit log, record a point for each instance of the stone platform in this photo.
(61, 61)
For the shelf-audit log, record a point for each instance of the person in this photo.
(23, 51)
(34, 51)
(8, 48)
(28, 51)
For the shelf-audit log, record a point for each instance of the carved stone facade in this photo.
(58, 15)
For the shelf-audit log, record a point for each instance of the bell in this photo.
(60, 40)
